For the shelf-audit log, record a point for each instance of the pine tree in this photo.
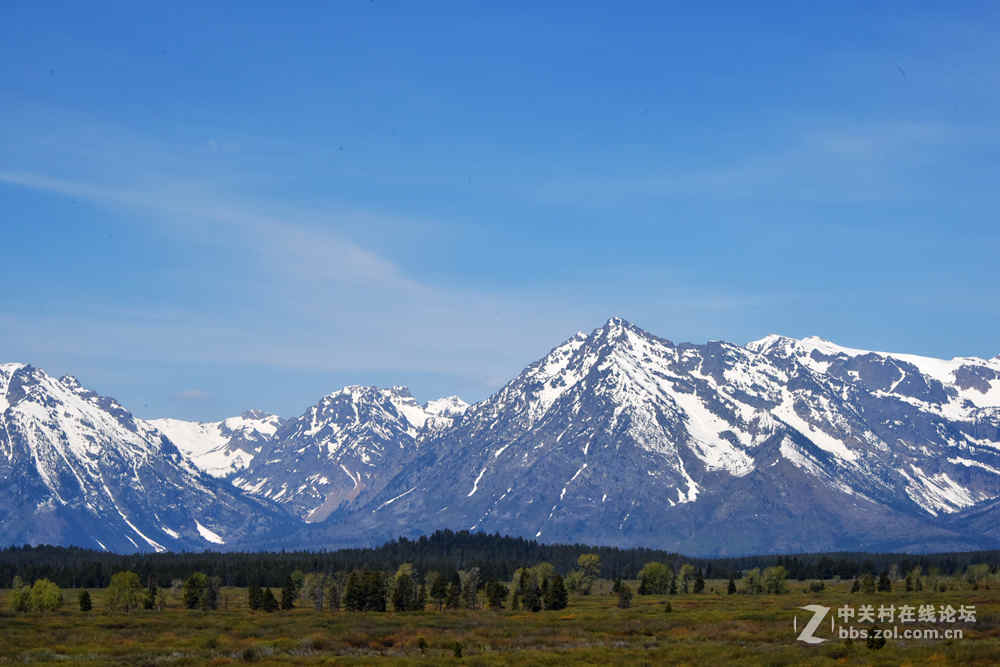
(533, 599)
(556, 596)
(404, 594)
(149, 602)
(298, 581)
(531, 594)
(378, 591)
(439, 591)
(195, 591)
(732, 586)
(354, 594)
(210, 596)
(268, 602)
(85, 603)
(254, 596)
(624, 596)
(421, 596)
(699, 582)
(288, 594)
(496, 593)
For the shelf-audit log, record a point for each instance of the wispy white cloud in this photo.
(307, 296)
(281, 235)
(324, 303)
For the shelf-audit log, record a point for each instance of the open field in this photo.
(700, 629)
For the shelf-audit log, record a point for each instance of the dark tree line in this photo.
(496, 558)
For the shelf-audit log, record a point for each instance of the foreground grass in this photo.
(701, 629)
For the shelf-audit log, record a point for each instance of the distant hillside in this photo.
(443, 551)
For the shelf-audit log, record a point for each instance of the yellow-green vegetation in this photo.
(42, 596)
(711, 627)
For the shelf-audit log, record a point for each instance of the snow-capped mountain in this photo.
(621, 437)
(614, 437)
(442, 412)
(343, 449)
(958, 388)
(224, 447)
(77, 468)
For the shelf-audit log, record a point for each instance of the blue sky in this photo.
(206, 209)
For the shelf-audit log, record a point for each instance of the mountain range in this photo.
(613, 437)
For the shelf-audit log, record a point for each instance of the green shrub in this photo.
(20, 599)
(873, 642)
(124, 591)
(42, 596)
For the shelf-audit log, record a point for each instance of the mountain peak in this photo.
(616, 329)
(98, 477)
(770, 342)
(253, 413)
(71, 382)
(446, 406)
(615, 326)
(615, 435)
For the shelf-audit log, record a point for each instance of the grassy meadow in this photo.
(708, 628)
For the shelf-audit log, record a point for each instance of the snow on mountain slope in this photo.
(613, 431)
(955, 388)
(615, 437)
(442, 412)
(927, 411)
(224, 447)
(448, 406)
(343, 448)
(77, 468)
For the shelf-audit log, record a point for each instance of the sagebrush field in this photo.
(707, 628)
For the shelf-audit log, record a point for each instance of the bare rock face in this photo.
(344, 449)
(614, 437)
(77, 468)
(621, 437)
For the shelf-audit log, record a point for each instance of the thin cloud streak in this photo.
(309, 251)
(308, 298)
